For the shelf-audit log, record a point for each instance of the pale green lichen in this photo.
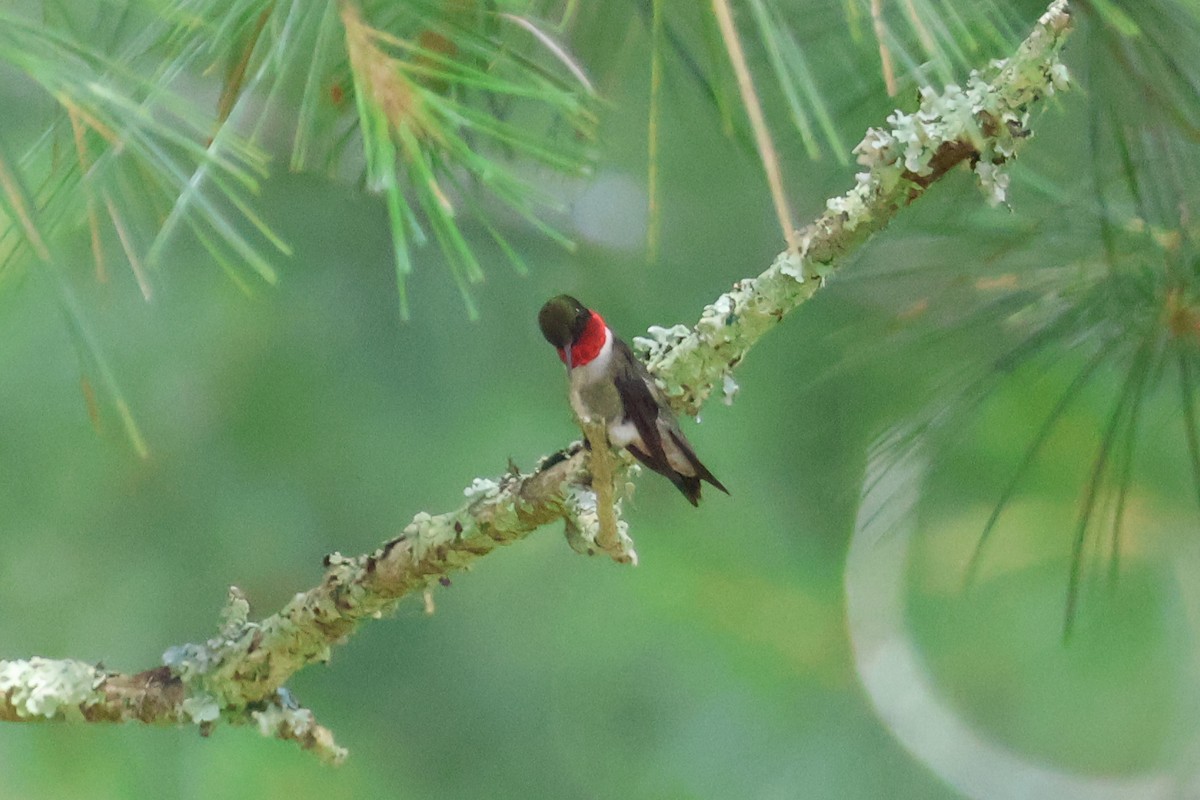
(657, 347)
(201, 708)
(583, 526)
(481, 489)
(993, 180)
(285, 720)
(985, 121)
(991, 115)
(427, 531)
(274, 717)
(790, 264)
(202, 664)
(659, 341)
(235, 615)
(1060, 77)
(729, 389)
(44, 687)
(189, 661)
(214, 672)
(692, 366)
(506, 519)
(855, 205)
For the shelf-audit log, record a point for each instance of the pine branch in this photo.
(238, 676)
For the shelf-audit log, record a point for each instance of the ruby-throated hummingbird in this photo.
(608, 382)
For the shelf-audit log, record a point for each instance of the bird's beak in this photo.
(567, 357)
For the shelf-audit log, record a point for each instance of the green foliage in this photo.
(126, 152)
(1044, 354)
(427, 106)
(437, 95)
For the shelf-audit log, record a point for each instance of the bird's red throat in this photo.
(590, 343)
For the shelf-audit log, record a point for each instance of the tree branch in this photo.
(238, 676)
(982, 124)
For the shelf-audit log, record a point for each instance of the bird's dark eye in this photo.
(579, 323)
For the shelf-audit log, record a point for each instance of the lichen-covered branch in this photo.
(981, 124)
(46, 690)
(612, 536)
(239, 675)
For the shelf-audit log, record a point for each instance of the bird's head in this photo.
(573, 328)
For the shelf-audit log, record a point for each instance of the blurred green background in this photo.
(308, 419)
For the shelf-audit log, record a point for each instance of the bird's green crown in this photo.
(563, 320)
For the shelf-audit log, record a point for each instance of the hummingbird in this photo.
(608, 382)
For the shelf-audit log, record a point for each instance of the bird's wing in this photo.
(634, 385)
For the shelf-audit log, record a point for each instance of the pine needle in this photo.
(762, 134)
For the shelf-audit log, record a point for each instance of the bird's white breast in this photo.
(623, 434)
(586, 376)
(592, 375)
(597, 368)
